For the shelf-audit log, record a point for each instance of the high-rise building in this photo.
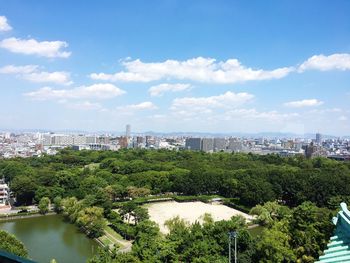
(90, 139)
(128, 131)
(235, 145)
(47, 139)
(103, 139)
(318, 138)
(150, 141)
(79, 139)
(123, 142)
(314, 151)
(219, 144)
(207, 144)
(193, 144)
(62, 139)
(140, 139)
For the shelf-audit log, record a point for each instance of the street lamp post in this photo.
(235, 237)
(232, 234)
(229, 247)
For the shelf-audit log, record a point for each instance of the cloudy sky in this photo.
(167, 65)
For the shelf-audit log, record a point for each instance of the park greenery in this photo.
(294, 199)
(11, 244)
(44, 205)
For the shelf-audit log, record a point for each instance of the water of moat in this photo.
(49, 237)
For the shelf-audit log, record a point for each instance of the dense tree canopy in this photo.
(291, 195)
(250, 179)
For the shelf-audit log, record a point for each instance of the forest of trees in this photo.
(293, 197)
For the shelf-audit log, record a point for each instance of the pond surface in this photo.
(49, 237)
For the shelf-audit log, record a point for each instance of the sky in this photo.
(176, 66)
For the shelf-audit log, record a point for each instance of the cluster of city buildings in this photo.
(332, 148)
(29, 144)
(36, 144)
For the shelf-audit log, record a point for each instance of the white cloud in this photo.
(200, 69)
(252, 114)
(31, 73)
(96, 91)
(49, 49)
(233, 119)
(4, 25)
(208, 70)
(11, 69)
(147, 105)
(303, 103)
(323, 111)
(343, 118)
(204, 104)
(324, 63)
(58, 77)
(160, 89)
(85, 105)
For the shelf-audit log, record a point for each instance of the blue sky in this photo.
(210, 66)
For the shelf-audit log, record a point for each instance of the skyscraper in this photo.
(193, 144)
(219, 144)
(319, 138)
(128, 131)
(207, 144)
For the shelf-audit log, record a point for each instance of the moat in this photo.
(49, 237)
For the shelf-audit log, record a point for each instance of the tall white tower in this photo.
(128, 131)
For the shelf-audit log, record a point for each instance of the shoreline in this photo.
(12, 217)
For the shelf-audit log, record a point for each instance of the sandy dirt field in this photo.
(189, 211)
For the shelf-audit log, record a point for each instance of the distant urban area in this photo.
(29, 144)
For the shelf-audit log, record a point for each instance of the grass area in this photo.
(114, 234)
(235, 203)
(112, 239)
(105, 241)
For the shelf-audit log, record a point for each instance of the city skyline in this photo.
(172, 66)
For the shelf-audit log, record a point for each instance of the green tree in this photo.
(140, 214)
(269, 212)
(13, 169)
(57, 201)
(92, 221)
(134, 192)
(91, 184)
(127, 210)
(11, 244)
(310, 228)
(147, 243)
(44, 205)
(274, 245)
(24, 188)
(71, 207)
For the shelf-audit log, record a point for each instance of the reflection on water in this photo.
(50, 237)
